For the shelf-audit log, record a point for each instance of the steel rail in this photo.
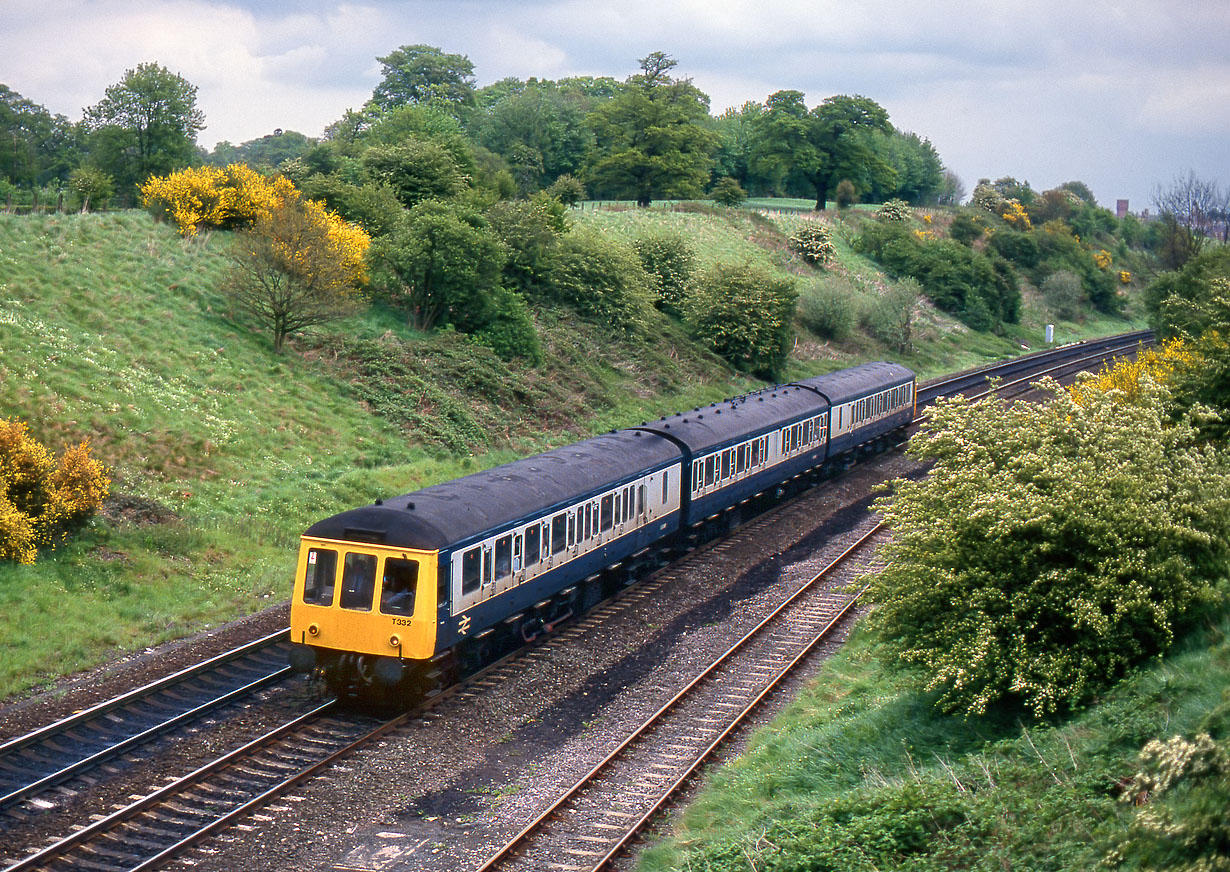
(653, 719)
(77, 718)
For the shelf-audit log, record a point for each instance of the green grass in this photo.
(860, 773)
(112, 329)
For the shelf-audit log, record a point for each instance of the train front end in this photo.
(363, 617)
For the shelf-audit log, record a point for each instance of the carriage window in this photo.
(401, 578)
(358, 581)
(698, 477)
(572, 528)
(503, 557)
(756, 453)
(741, 459)
(608, 517)
(710, 464)
(628, 503)
(559, 533)
(726, 464)
(471, 564)
(618, 509)
(589, 520)
(640, 500)
(666, 491)
(531, 545)
(321, 572)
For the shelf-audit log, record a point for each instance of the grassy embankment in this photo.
(112, 329)
(862, 774)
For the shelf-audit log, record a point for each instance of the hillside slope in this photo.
(112, 329)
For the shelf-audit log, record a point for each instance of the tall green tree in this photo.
(424, 74)
(146, 124)
(841, 135)
(795, 147)
(539, 130)
(654, 138)
(35, 146)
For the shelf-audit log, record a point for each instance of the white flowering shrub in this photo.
(1050, 548)
(815, 244)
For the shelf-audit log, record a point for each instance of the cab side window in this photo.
(321, 575)
(471, 570)
(401, 578)
(358, 581)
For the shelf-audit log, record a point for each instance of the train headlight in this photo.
(313, 629)
(395, 641)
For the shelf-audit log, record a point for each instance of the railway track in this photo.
(166, 822)
(602, 813)
(32, 764)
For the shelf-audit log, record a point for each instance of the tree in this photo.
(833, 141)
(744, 314)
(919, 172)
(91, 183)
(539, 130)
(417, 170)
(424, 74)
(297, 266)
(35, 146)
(145, 124)
(442, 267)
(1050, 548)
(1191, 208)
(653, 138)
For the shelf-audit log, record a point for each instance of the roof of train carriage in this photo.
(858, 381)
(454, 511)
(720, 423)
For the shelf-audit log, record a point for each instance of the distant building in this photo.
(1121, 208)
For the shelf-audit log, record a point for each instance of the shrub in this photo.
(1063, 294)
(815, 243)
(42, 499)
(829, 311)
(1050, 549)
(728, 192)
(744, 314)
(603, 280)
(1184, 788)
(966, 229)
(1016, 247)
(567, 189)
(894, 210)
(671, 262)
(890, 316)
(510, 331)
(845, 195)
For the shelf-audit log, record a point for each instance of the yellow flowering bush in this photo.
(1102, 258)
(1158, 364)
(1125, 277)
(212, 197)
(1015, 214)
(42, 498)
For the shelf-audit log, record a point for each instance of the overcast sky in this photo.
(1121, 95)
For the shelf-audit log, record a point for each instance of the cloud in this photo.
(1129, 91)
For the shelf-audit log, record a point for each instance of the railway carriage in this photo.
(390, 598)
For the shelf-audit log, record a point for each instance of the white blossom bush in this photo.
(1050, 548)
(815, 244)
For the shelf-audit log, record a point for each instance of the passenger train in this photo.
(395, 598)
